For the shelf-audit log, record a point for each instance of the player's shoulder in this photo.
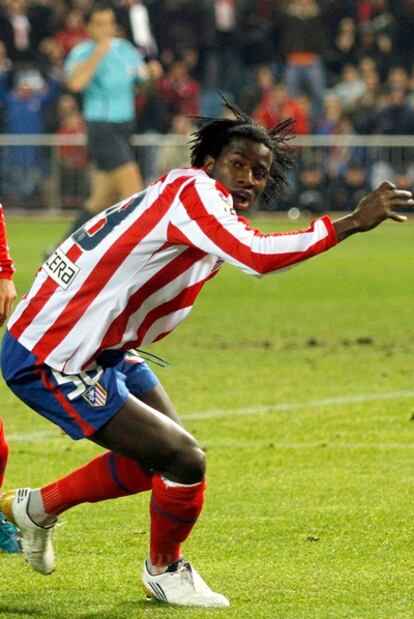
(190, 177)
(185, 173)
(208, 189)
(200, 177)
(204, 182)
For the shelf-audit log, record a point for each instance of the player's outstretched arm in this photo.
(7, 296)
(375, 208)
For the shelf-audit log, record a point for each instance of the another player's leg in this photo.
(126, 180)
(9, 534)
(102, 196)
(116, 176)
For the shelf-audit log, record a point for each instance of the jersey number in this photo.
(110, 218)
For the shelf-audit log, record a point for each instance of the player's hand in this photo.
(103, 46)
(380, 205)
(7, 296)
(376, 207)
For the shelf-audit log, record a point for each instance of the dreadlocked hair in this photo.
(216, 133)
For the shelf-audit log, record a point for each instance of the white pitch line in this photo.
(45, 435)
(328, 444)
(292, 406)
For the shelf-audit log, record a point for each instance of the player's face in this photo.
(243, 166)
(102, 25)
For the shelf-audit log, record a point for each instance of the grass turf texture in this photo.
(309, 507)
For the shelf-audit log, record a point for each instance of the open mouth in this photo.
(241, 200)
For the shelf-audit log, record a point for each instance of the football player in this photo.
(9, 535)
(125, 279)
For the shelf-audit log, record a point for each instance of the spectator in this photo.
(344, 50)
(365, 10)
(223, 68)
(334, 111)
(255, 34)
(134, 19)
(367, 65)
(73, 32)
(5, 72)
(351, 185)
(46, 17)
(405, 27)
(350, 87)
(363, 105)
(258, 89)
(5, 62)
(176, 155)
(367, 44)
(335, 122)
(190, 26)
(180, 91)
(278, 106)
(24, 167)
(396, 117)
(312, 197)
(73, 159)
(303, 44)
(383, 19)
(404, 176)
(398, 78)
(51, 57)
(16, 31)
(386, 55)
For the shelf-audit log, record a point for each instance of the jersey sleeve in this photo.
(204, 218)
(6, 263)
(78, 54)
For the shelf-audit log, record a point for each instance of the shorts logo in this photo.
(96, 395)
(61, 269)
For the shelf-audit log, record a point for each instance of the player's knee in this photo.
(190, 463)
(195, 466)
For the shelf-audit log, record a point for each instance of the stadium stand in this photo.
(342, 69)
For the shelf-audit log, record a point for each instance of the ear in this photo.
(209, 162)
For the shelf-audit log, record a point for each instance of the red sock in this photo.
(174, 511)
(4, 453)
(107, 476)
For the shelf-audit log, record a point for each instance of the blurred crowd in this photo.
(340, 67)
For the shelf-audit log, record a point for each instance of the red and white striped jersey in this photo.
(132, 273)
(6, 263)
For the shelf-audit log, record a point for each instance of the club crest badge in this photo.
(96, 395)
(227, 201)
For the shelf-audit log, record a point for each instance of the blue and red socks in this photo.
(108, 476)
(174, 510)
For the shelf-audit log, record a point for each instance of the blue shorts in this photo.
(79, 403)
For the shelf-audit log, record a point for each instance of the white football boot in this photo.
(181, 585)
(36, 540)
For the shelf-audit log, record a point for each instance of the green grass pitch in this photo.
(300, 388)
